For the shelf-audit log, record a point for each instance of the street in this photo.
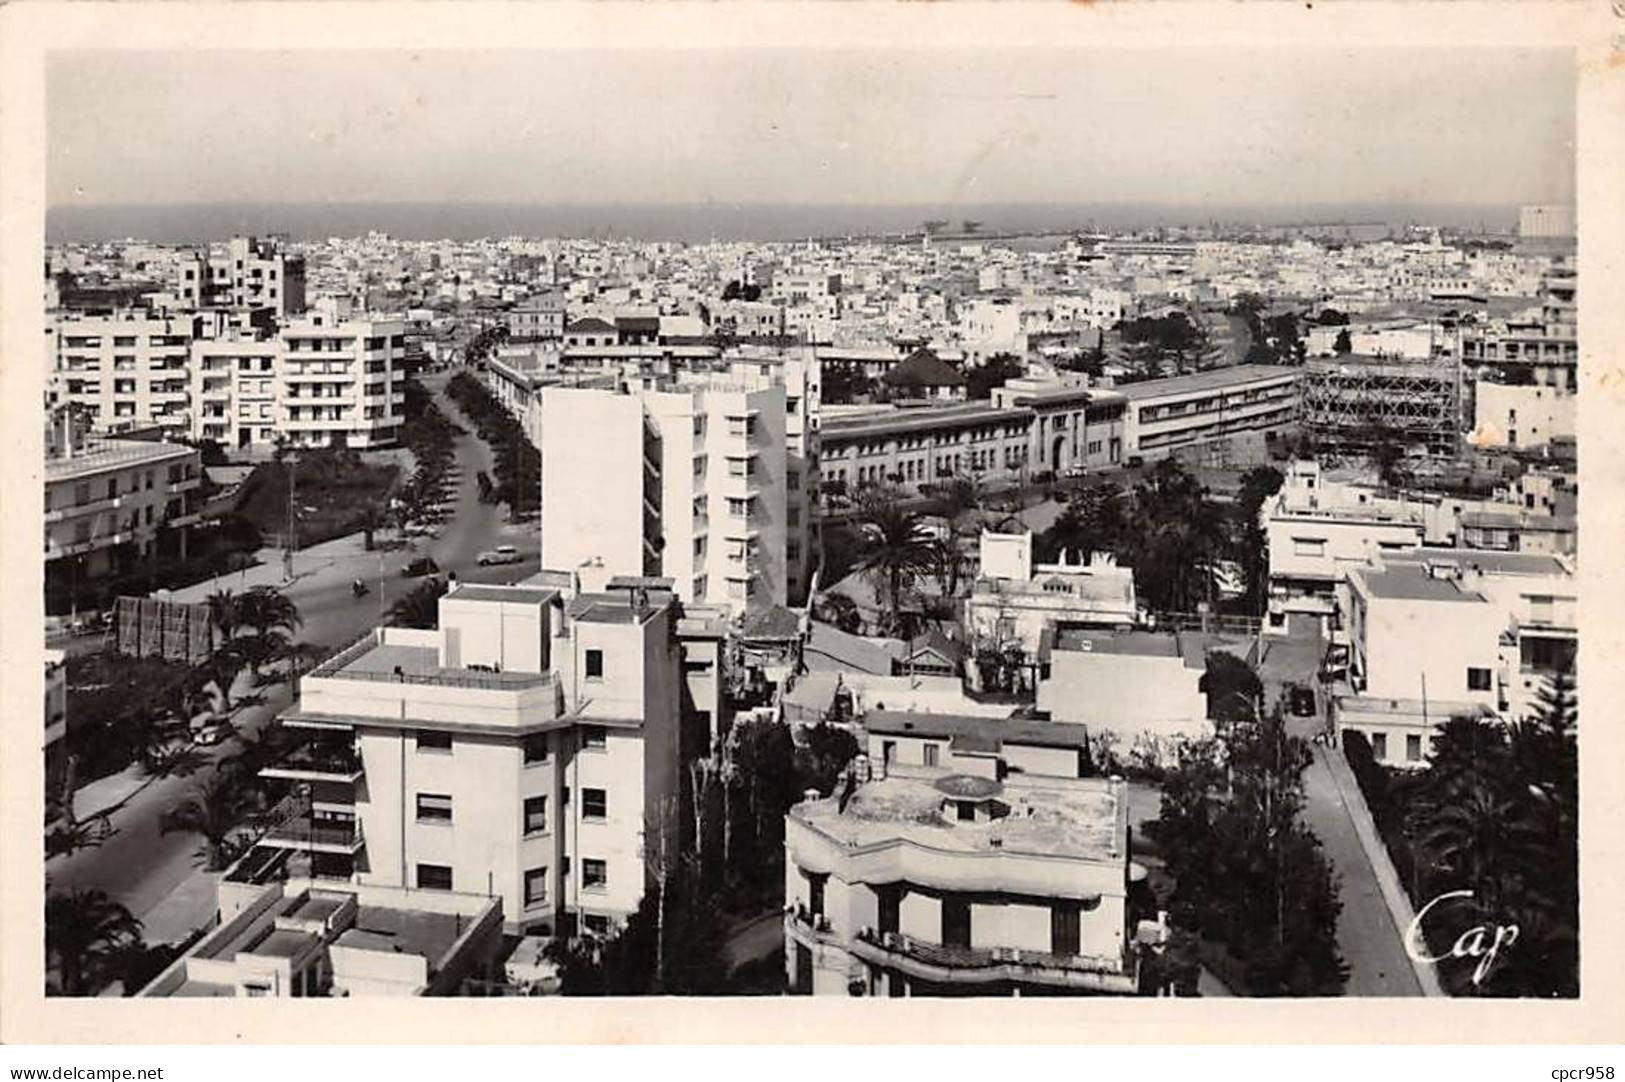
(141, 867)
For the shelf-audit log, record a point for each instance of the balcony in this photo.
(307, 833)
(318, 761)
(987, 965)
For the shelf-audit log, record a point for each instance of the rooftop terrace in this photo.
(1082, 818)
(1411, 582)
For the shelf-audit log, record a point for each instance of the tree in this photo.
(843, 383)
(421, 607)
(221, 669)
(223, 607)
(994, 372)
(823, 759)
(214, 812)
(1094, 520)
(1235, 694)
(1343, 343)
(84, 931)
(264, 608)
(895, 549)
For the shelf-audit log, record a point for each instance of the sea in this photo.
(700, 222)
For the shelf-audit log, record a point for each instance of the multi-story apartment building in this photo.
(962, 875)
(236, 391)
(340, 382)
(245, 272)
(1167, 414)
(1424, 645)
(527, 750)
(537, 319)
(684, 478)
(125, 370)
(108, 502)
(1544, 351)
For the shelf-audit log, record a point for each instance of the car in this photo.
(419, 529)
(419, 567)
(502, 554)
(1303, 701)
(1075, 471)
(213, 734)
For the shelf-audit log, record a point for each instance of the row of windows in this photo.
(593, 737)
(594, 876)
(437, 808)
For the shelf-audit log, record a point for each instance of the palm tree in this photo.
(265, 608)
(83, 931)
(420, 608)
(221, 669)
(223, 606)
(896, 549)
(1486, 839)
(214, 812)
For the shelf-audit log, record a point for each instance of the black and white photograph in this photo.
(1000, 521)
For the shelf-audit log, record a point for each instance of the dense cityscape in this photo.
(1179, 611)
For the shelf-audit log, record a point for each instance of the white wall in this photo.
(592, 450)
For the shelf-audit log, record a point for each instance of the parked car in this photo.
(419, 529)
(213, 734)
(1302, 700)
(502, 554)
(419, 567)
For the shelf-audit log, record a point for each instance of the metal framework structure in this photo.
(1350, 401)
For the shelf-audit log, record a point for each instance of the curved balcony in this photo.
(989, 965)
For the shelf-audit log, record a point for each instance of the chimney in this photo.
(811, 794)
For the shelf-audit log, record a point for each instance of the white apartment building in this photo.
(341, 382)
(236, 391)
(108, 501)
(1142, 687)
(245, 272)
(1424, 645)
(126, 370)
(1521, 417)
(682, 479)
(523, 750)
(962, 877)
(1318, 532)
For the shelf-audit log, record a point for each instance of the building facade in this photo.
(526, 750)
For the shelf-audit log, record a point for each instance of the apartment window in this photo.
(535, 748)
(1478, 679)
(930, 752)
(1308, 546)
(594, 804)
(594, 874)
(434, 808)
(594, 737)
(434, 877)
(1379, 747)
(1413, 749)
(1065, 930)
(434, 741)
(536, 815)
(535, 887)
(596, 924)
(815, 894)
(595, 664)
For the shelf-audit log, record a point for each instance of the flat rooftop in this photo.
(1214, 379)
(405, 931)
(968, 732)
(1105, 641)
(1411, 582)
(111, 454)
(514, 595)
(1489, 561)
(612, 608)
(1079, 818)
(421, 664)
(285, 943)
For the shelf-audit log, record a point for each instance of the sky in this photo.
(812, 127)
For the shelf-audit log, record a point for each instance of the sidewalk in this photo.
(307, 563)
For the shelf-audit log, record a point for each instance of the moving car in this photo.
(419, 567)
(502, 554)
(1302, 700)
